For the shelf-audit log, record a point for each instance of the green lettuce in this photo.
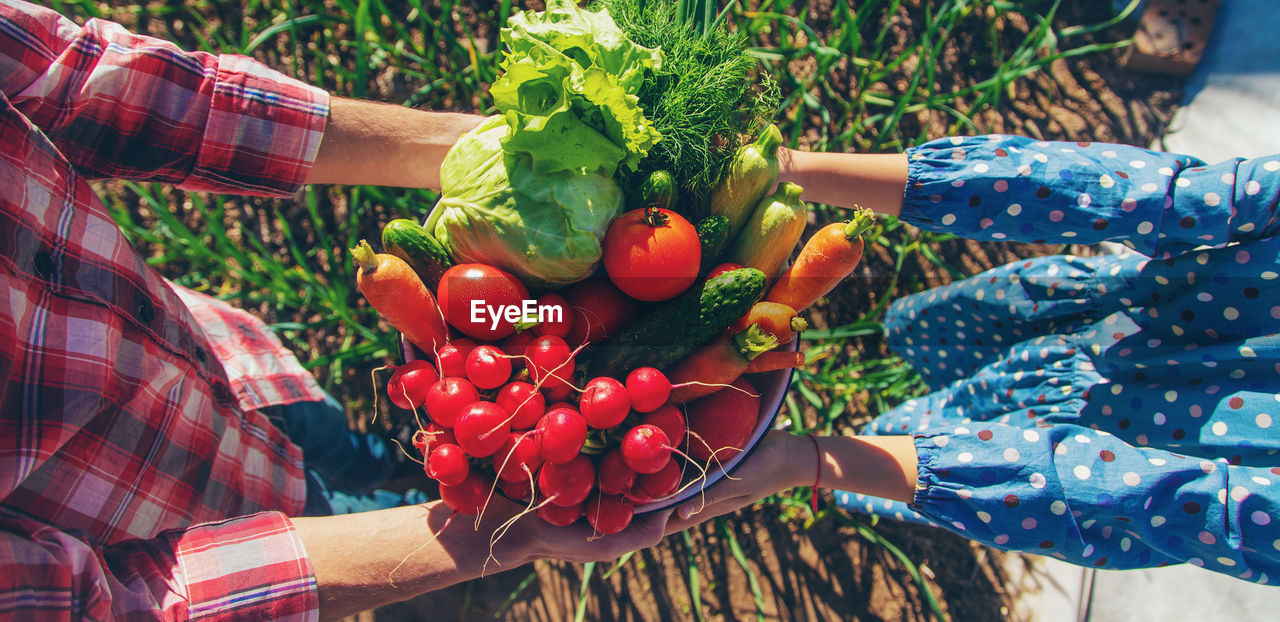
(531, 190)
(568, 90)
(494, 208)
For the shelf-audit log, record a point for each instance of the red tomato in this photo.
(599, 309)
(723, 268)
(652, 253)
(470, 294)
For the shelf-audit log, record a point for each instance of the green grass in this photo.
(879, 78)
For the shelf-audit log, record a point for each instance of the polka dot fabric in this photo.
(1114, 411)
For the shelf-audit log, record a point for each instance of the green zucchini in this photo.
(410, 241)
(751, 173)
(672, 329)
(772, 233)
(713, 233)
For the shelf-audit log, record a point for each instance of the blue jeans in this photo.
(344, 467)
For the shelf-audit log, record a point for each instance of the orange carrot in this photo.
(774, 360)
(717, 364)
(774, 318)
(826, 259)
(396, 291)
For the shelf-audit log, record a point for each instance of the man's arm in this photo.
(385, 144)
(366, 560)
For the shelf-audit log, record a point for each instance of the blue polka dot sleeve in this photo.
(1117, 411)
(1016, 188)
(1089, 498)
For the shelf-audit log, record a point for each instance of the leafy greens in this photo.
(531, 190)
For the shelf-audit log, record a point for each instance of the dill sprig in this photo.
(708, 96)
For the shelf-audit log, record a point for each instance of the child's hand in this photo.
(780, 461)
(579, 543)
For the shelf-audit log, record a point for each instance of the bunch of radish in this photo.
(491, 428)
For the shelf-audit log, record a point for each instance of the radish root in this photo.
(391, 574)
(695, 383)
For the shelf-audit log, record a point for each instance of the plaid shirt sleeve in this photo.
(247, 568)
(123, 105)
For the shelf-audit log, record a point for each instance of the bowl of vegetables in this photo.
(649, 227)
(516, 413)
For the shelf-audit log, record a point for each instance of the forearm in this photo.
(874, 181)
(881, 466)
(366, 560)
(385, 144)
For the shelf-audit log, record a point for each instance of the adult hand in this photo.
(369, 559)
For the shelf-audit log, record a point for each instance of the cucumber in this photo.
(670, 330)
(751, 173)
(713, 233)
(658, 189)
(410, 241)
(772, 233)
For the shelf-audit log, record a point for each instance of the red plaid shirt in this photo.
(128, 413)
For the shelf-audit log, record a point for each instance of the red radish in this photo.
(609, 513)
(604, 403)
(488, 367)
(525, 404)
(452, 357)
(658, 485)
(559, 316)
(481, 428)
(448, 465)
(560, 516)
(432, 436)
(556, 405)
(651, 253)
(467, 287)
(516, 346)
(569, 483)
(599, 309)
(447, 397)
(518, 458)
(670, 420)
(722, 422)
(648, 388)
(723, 268)
(646, 449)
(550, 361)
(561, 434)
(408, 385)
(469, 496)
(613, 476)
(557, 392)
(516, 490)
